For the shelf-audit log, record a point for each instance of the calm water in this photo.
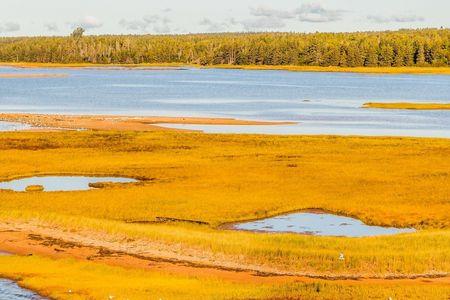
(11, 126)
(319, 224)
(9, 290)
(323, 103)
(60, 183)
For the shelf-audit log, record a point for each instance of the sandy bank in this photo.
(11, 76)
(121, 123)
(367, 70)
(56, 244)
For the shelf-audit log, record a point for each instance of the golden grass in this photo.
(369, 70)
(223, 178)
(70, 279)
(406, 105)
(34, 188)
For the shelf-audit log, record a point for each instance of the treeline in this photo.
(428, 47)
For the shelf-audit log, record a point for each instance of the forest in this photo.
(425, 47)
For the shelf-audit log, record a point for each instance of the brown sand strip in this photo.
(31, 243)
(120, 123)
(25, 243)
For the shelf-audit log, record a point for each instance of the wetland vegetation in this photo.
(197, 182)
(158, 225)
(406, 105)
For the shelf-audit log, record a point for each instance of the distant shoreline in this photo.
(171, 66)
(408, 106)
(19, 75)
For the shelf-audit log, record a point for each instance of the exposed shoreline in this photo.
(120, 123)
(18, 75)
(53, 244)
(174, 66)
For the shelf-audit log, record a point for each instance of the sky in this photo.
(60, 17)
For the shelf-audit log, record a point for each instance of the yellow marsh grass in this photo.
(423, 253)
(367, 70)
(223, 178)
(406, 105)
(87, 280)
(34, 188)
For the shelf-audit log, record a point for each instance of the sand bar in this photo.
(120, 123)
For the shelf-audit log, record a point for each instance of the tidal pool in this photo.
(11, 291)
(321, 224)
(60, 183)
(12, 126)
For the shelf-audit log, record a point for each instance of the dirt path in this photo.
(120, 122)
(21, 241)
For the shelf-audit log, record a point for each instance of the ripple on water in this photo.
(321, 224)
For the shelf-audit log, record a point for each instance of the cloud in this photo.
(395, 18)
(9, 27)
(267, 12)
(134, 25)
(51, 27)
(263, 23)
(267, 18)
(87, 22)
(212, 26)
(316, 13)
(154, 23)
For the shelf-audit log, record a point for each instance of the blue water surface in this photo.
(321, 103)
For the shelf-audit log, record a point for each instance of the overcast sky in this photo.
(59, 17)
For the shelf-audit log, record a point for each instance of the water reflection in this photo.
(60, 183)
(321, 224)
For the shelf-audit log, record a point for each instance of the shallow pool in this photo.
(12, 126)
(9, 290)
(60, 183)
(321, 224)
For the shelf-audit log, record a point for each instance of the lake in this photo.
(322, 103)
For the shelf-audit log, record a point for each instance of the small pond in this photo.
(321, 224)
(60, 183)
(12, 126)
